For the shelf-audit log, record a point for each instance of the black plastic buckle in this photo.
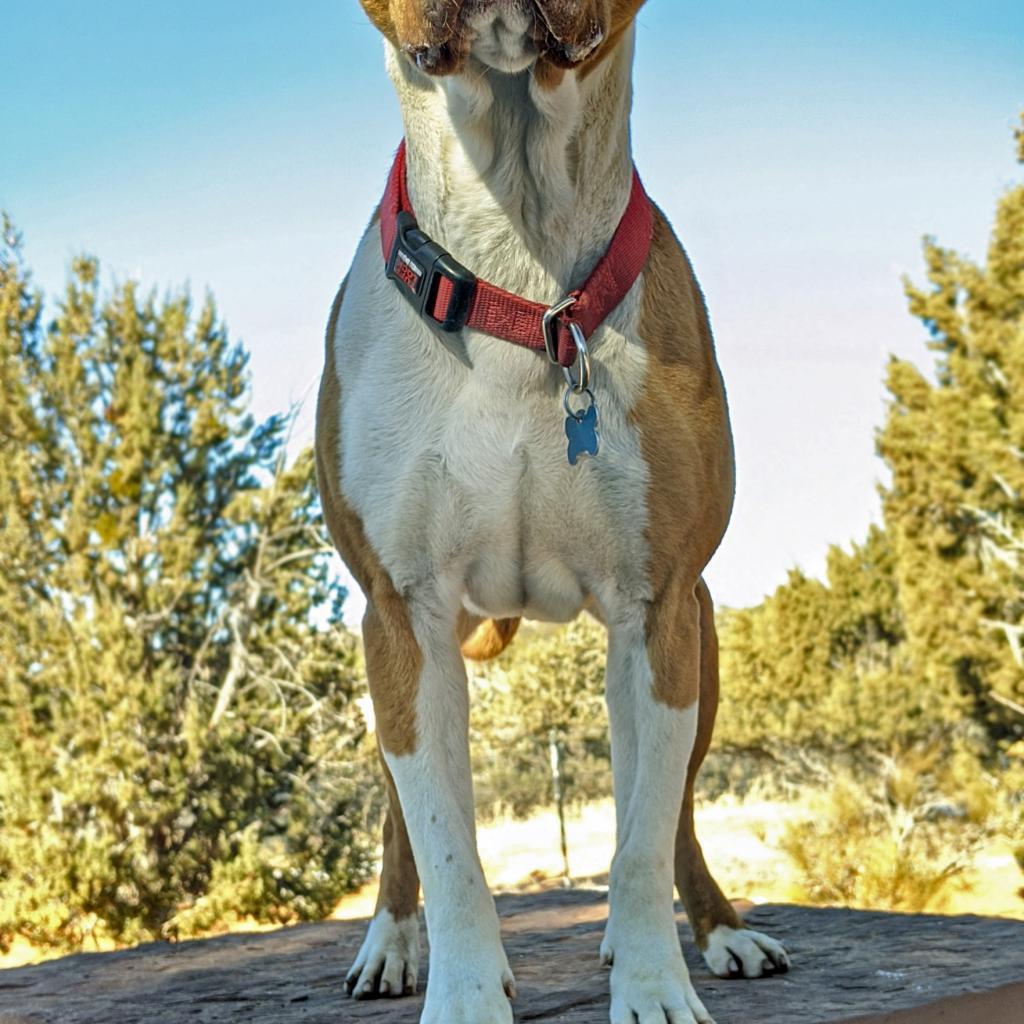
(417, 264)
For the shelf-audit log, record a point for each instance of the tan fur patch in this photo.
(706, 906)
(399, 882)
(487, 639)
(393, 658)
(620, 18)
(393, 666)
(426, 22)
(547, 75)
(683, 423)
(566, 25)
(379, 12)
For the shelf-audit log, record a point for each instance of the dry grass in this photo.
(744, 844)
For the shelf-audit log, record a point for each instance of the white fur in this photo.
(501, 34)
(391, 949)
(456, 460)
(469, 974)
(651, 746)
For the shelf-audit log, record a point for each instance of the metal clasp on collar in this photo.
(417, 264)
(582, 383)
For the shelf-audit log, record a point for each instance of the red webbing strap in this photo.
(499, 313)
(396, 199)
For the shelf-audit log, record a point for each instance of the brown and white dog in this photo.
(446, 489)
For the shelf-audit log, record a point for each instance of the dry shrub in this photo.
(896, 835)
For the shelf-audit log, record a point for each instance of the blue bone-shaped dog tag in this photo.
(581, 430)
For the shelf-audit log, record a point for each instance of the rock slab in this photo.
(847, 964)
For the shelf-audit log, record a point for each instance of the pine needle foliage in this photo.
(954, 510)
(175, 710)
(820, 665)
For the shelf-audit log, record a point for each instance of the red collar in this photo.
(447, 295)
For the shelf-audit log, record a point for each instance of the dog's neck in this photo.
(523, 183)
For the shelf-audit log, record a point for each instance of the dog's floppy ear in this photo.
(579, 33)
(623, 13)
(396, 17)
(429, 31)
(626, 9)
(379, 12)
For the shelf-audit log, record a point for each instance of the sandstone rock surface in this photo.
(848, 964)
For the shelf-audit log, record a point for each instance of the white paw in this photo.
(473, 993)
(744, 953)
(651, 985)
(388, 961)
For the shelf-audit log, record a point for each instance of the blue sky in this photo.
(801, 149)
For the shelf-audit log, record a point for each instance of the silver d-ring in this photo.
(582, 361)
(550, 330)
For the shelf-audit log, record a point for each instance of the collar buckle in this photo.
(418, 266)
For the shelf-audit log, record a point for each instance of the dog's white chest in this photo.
(456, 462)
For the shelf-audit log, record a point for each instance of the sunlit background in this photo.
(801, 149)
(186, 738)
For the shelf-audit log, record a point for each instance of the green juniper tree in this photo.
(907, 661)
(819, 665)
(915, 636)
(176, 715)
(954, 510)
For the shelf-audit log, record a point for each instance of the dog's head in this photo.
(439, 36)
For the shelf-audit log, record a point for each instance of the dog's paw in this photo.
(650, 982)
(387, 964)
(649, 995)
(744, 953)
(470, 987)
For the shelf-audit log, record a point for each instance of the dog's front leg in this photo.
(652, 679)
(418, 683)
